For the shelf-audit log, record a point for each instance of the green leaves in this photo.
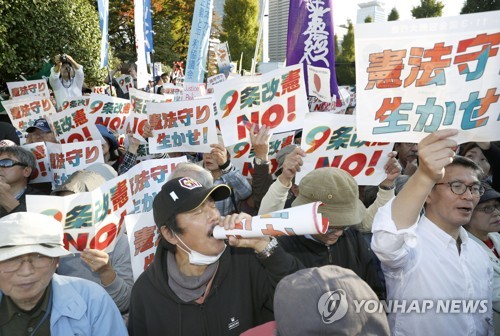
(43, 28)
(240, 25)
(427, 9)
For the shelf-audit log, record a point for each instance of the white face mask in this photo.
(196, 258)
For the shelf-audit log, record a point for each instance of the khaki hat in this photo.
(28, 232)
(338, 190)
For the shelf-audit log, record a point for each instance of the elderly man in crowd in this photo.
(34, 300)
(16, 165)
(40, 132)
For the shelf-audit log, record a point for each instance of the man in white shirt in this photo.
(66, 79)
(430, 263)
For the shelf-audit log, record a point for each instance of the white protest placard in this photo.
(73, 125)
(111, 112)
(139, 115)
(215, 79)
(82, 102)
(143, 238)
(65, 159)
(415, 77)
(299, 220)
(37, 87)
(23, 112)
(42, 172)
(331, 140)
(125, 82)
(172, 92)
(223, 58)
(319, 82)
(186, 126)
(146, 179)
(242, 154)
(100, 89)
(276, 99)
(193, 90)
(90, 219)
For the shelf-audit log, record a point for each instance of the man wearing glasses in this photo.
(440, 277)
(483, 228)
(16, 165)
(34, 300)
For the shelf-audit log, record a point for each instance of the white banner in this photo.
(186, 126)
(415, 77)
(276, 99)
(143, 237)
(38, 87)
(331, 140)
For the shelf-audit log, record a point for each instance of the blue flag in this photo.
(148, 26)
(198, 41)
(103, 6)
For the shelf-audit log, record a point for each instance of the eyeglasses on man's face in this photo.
(37, 261)
(459, 188)
(489, 208)
(333, 230)
(7, 163)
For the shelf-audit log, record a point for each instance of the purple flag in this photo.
(311, 38)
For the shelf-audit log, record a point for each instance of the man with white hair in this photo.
(34, 300)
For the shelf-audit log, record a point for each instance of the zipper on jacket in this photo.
(330, 258)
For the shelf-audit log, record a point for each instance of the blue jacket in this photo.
(81, 307)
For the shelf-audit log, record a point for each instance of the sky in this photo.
(347, 9)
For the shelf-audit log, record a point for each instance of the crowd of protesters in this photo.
(435, 220)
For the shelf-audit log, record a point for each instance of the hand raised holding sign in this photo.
(99, 262)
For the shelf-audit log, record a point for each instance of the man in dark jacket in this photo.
(197, 286)
(16, 165)
(342, 245)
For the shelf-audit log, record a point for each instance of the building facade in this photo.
(373, 9)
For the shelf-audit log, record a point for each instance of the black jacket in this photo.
(22, 201)
(350, 251)
(240, 298)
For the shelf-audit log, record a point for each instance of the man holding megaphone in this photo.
(197, 285)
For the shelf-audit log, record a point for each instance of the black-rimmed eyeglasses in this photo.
(7, 163)
(459, 188)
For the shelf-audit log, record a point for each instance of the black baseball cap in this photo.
(489, 193)
(41, 124)
(184, 194)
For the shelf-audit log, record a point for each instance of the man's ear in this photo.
(27, 172)
(168, 235)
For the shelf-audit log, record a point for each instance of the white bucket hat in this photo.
(27, 232)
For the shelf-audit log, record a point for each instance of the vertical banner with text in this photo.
(198, 41)
(311, 41)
